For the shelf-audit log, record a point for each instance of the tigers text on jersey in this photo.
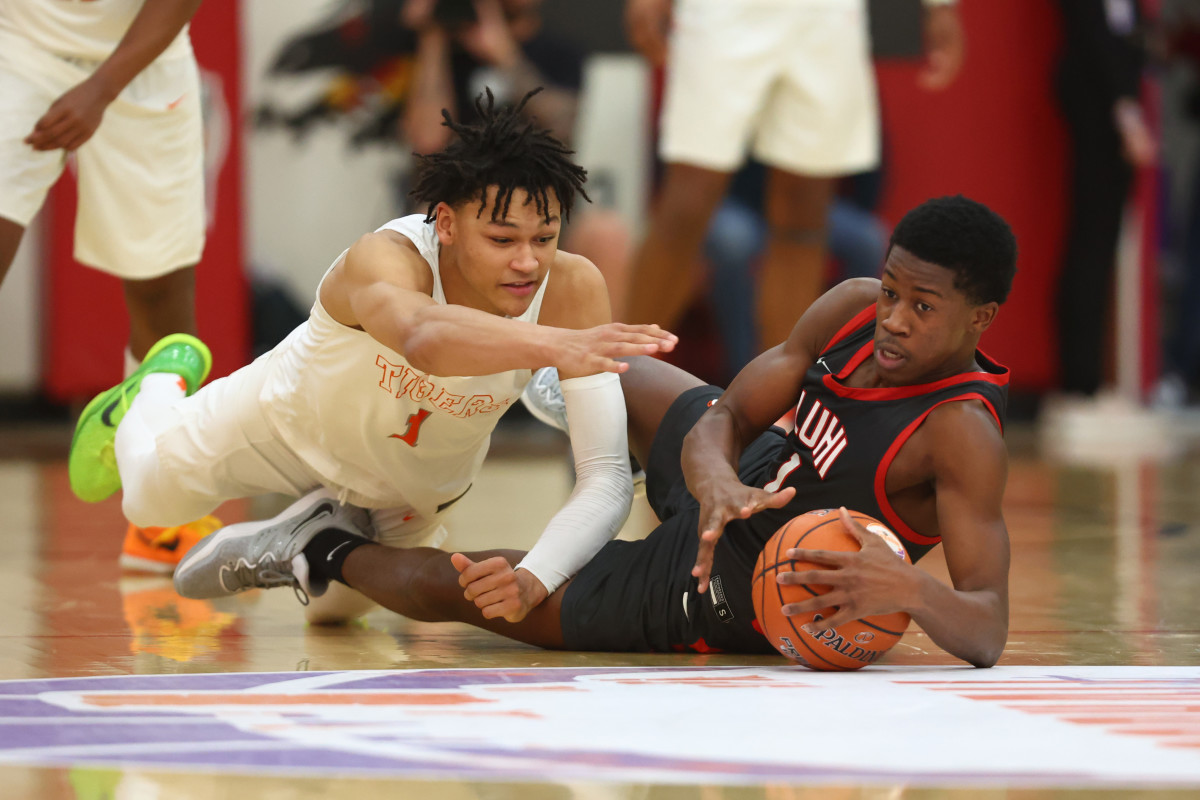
(364, 418)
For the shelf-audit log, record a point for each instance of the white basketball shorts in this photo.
(216, 445)
(141, 210)
(792, 82)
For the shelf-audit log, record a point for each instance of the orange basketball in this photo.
(851, 645)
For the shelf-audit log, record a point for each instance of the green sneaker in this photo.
(92, 464)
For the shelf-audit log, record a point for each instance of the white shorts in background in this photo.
(141, 210)
(793, 83)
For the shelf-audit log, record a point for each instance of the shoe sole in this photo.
(139, 564)
(241, 530)
(541, 416)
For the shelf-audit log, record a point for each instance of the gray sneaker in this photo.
(268, 553)
(544, 398)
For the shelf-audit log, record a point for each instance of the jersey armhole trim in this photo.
(890, 516)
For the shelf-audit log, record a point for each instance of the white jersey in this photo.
(361, 416)
(77, 29)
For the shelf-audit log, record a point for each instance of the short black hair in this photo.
(505, 149)
(966, 237)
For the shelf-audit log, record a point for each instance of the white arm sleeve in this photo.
(599, 504)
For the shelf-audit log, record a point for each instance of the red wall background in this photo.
(995, 135)
(85, 322)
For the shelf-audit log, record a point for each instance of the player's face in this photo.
(497, 266)
(926, 329)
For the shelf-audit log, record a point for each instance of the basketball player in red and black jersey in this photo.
(894, 412)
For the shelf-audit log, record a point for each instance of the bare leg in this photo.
(650, 387)
(664, 268)
(10, 240)
(422, 584)
(793, 266)
(160, 306)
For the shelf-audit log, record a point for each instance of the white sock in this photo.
(131, 363)
(159, 390)
(135, 444)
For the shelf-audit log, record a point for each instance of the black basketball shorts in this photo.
(640, 596)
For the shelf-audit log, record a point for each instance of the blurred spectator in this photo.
(1181, 382)
(1098, 83)
(790, 80)
(117, 85)
(737, 236)
(464, 46)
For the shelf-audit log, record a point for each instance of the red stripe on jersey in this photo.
(903, 392)
(856, 322)
(890, 516)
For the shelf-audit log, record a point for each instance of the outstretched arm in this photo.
(73, 118)
(383, 285)
(760, 394)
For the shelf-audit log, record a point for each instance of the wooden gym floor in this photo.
(1105, 559)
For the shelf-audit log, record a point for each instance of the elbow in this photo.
(988, 654)
(986, 660)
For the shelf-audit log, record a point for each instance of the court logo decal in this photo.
(933, 725)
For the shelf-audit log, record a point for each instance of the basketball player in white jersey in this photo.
(115, 83)
(377, 411)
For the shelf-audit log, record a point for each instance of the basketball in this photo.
(851, 645)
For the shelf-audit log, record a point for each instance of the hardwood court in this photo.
(1104, 565)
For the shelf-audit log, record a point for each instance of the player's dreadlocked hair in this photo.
(503, 149)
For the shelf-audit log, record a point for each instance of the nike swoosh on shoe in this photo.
(106, 414)
(325, 509)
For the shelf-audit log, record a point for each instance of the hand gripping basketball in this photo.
(829, 589)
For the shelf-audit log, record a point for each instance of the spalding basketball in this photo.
(851, 645)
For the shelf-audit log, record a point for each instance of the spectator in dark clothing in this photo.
(1098, 85)
(464, 46)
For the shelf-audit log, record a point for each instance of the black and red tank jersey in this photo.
(845, 438)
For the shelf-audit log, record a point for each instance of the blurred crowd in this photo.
(770, 158)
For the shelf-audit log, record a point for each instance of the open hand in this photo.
(729, 501)
(593, 350)
(496, 588)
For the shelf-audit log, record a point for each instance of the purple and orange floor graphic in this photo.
(1063, 726)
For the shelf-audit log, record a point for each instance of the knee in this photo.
(148, 498)
(735, 238)
(144, 504)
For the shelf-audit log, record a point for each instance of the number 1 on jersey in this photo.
(785, 469)
(409, 437)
